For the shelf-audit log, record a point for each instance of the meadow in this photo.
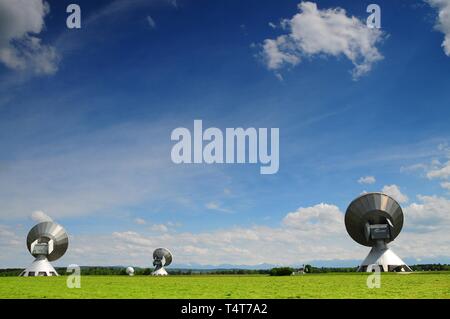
(331, 285)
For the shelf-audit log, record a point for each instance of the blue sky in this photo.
(86, 117)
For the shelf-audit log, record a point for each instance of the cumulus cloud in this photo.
(132, 238)
(159, 228)
(285, 244)
(21, 21)
(394, 192)
(446, 185)
(438, 166)
(426, 231)
(39, 216)
(323, 217)
(315, 32)
(439, 171)
(310, 233)
(367, 180)
(443, 21)
(189, 249)
(9, 240)
(432, 212)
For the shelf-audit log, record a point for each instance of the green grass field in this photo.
(415, 285)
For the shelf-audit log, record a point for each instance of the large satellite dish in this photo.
(375, 219)
(47, 241)
(161, 257)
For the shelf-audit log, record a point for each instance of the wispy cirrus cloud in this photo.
(438, 167)
(151, 22)
(217, 207)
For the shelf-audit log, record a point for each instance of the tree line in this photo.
(278, 271)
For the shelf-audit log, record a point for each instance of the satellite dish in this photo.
(373, 220)
(161, 257)
(46, 241)
(130, 271)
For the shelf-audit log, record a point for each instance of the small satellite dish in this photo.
(161, 257)
(373, 220)
(47, 241)
(130, 271)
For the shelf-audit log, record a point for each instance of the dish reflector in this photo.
(161, 257)
(164, 255)
(369, 210)
(52, 234)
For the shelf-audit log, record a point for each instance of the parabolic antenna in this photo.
(375, 219)
(161, 257)
(47, 241)
(130, 271)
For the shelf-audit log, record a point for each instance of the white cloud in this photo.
(443, 21)
(331, 32)
(394, 192)
(441, 171)
(39, 216)
(12, 247)
(189, 249)
(433, 212)
(310, 233)
(172, 224)
(6, 233)
(285, 244)
(159, 228)
(140, 221)
(446, 185)
(20, 47)
(279, 52)
(151, 22)
(133, 238)
(212, 205)
(367, 180)
(216, 206)
(412, 168)
(438, 166)
(321, 217)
